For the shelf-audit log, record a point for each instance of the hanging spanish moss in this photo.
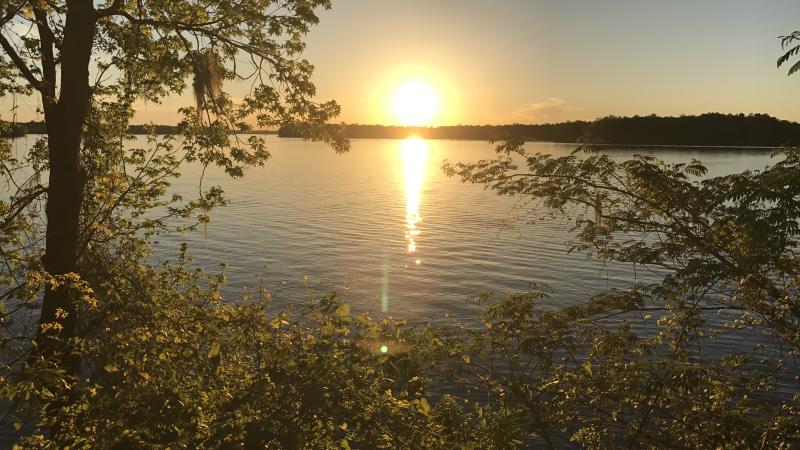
(207, 83)
(208, 72)
(598, 210)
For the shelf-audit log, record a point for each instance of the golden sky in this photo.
(546, 60)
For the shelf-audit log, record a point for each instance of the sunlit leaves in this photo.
(727, 249)
(126, 309)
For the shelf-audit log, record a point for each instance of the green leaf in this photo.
(426, 407)
(343, 310)
(214, 350)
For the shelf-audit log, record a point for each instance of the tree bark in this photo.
(65, 119)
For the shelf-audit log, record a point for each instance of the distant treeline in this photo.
(8, 129)
(757, 130)
(560, 132)
(24, 128)
(712, 129)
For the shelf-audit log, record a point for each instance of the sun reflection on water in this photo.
(414, 153)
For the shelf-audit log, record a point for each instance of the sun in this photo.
(415, 103)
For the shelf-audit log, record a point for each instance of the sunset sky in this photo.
(540, 61)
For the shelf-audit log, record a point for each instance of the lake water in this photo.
(383, 226)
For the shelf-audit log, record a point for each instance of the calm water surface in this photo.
(383, 226)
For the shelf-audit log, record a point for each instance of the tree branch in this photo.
(18, 209)
(111, 10)
(20, 64)
(46, 42)
(11, 12)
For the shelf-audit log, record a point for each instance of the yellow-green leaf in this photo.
(214, 350)
(343, 310)
(426, 407)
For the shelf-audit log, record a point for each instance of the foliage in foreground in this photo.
(89, 64)
(167, 363)
(178, 367)
(727, 248)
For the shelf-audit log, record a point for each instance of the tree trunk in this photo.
(64, 120)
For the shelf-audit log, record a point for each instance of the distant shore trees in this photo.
(711, 129)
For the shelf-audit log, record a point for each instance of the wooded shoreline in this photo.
(709, 130)
(706, 130)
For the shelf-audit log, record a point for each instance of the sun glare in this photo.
(415, 103)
